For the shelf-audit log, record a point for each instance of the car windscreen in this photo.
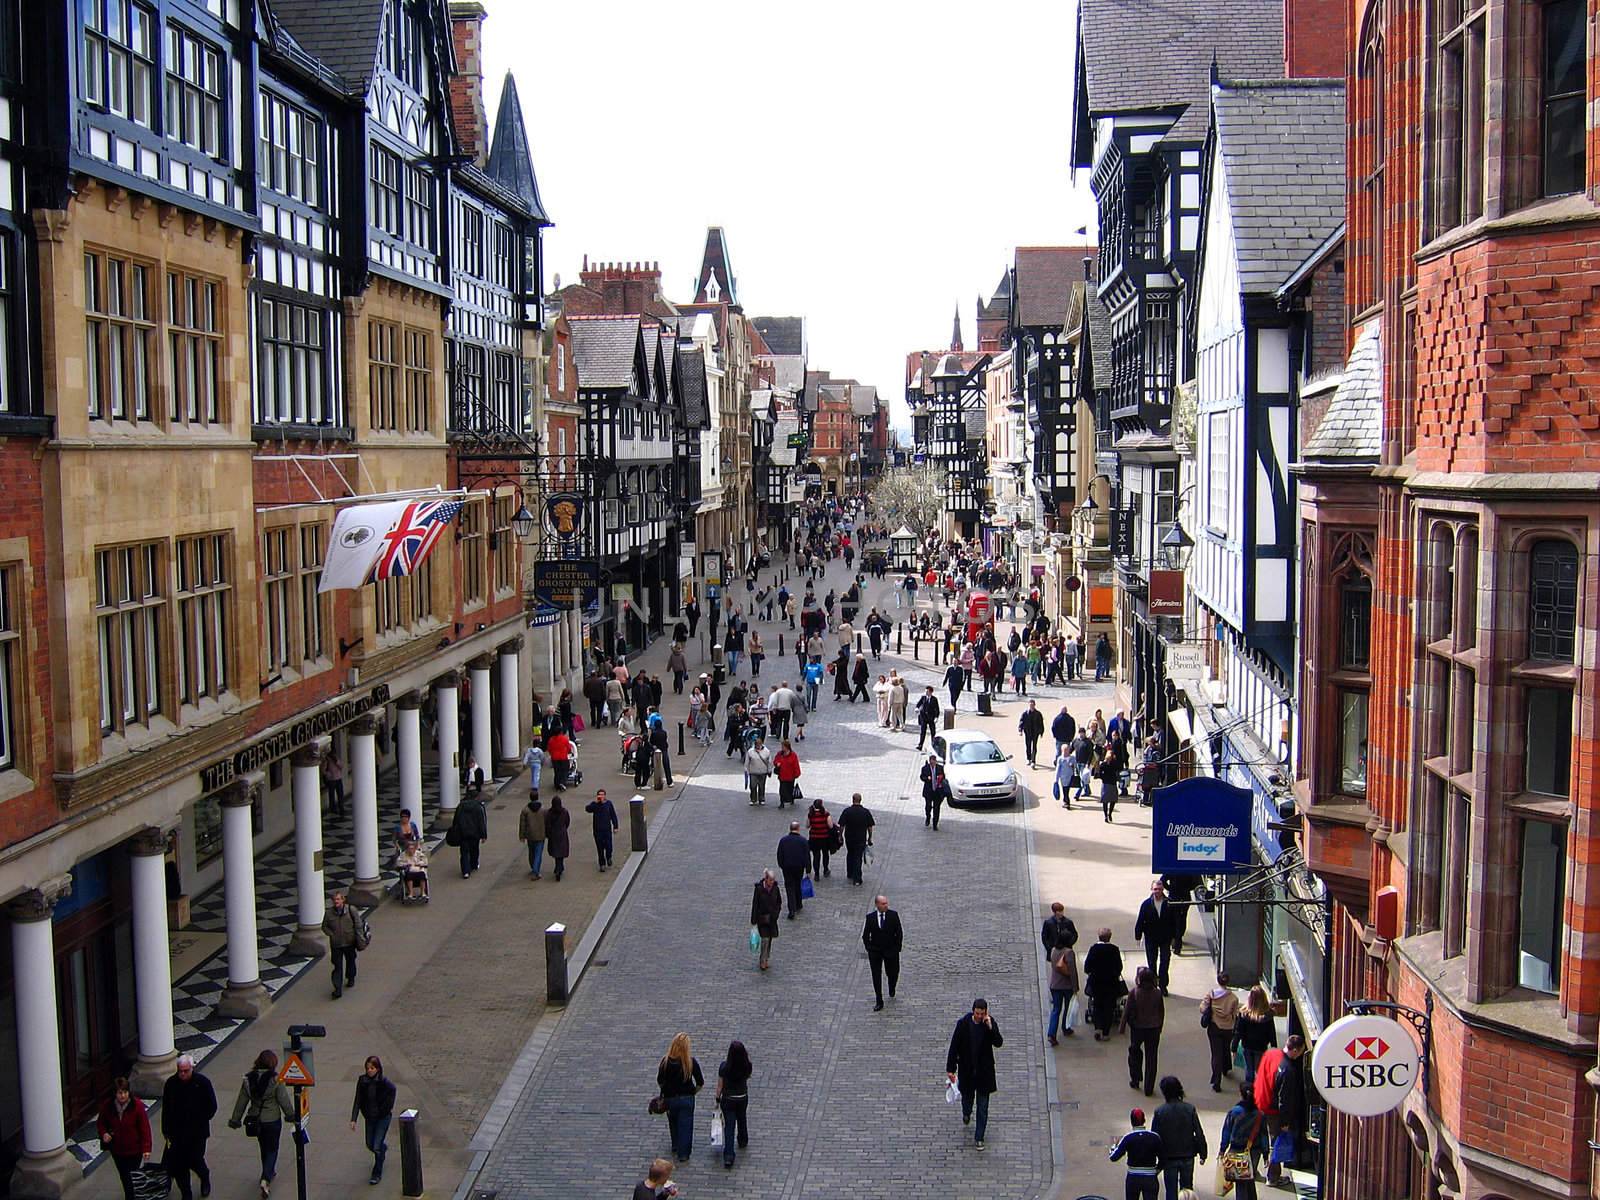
(976, 752)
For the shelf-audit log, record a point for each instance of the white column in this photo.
(408, 752)
(245, 996)
(311, 903)
(446, 703)
(152, 962)
(46, 1168)
(510, 707)
(362, 758)
(482, 736)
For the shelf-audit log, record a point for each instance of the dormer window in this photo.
(713, 292)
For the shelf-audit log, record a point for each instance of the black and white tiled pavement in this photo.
(197, 1027)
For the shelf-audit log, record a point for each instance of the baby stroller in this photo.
(630, 750)
(412, 865)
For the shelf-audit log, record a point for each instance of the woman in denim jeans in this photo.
(679, 1078)
(262, 1107)
(733, 1094)
(374, 1103)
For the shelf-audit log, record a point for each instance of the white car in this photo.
(978, 770)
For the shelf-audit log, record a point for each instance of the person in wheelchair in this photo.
(412, 863)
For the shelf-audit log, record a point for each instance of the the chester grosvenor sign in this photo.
(289, 739)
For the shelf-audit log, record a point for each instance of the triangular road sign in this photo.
(294, 1072)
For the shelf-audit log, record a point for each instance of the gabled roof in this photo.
(783, 335)
(864, 400)
(715, 264)
(1045, 275)
(999, 304)
(1156, 55)
(1352, 428)
(605, 350)
(510, 163)
(342, 35)
(1282, 152)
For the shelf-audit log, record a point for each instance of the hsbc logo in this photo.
(1365, 1065)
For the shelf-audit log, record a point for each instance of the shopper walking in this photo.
(1142, 1149)
(758, 764)
(883, 937)
(733, 1096)
(470, 826)
(188, 1102)
(969, 1064)
(935, 790)
(531, 829)
(927, 716)
(1063, 987)
(557, 840)
(261, 1108)
(1031, 726)
(786, 766)
(604, 815)
(123, 1126)
(856, 822)
(765, 906)
(1155, 925)
(1243, 1143)
(1142, 1021)
(1182, 1140)
(374, 1104)
(1219, 1014)
(1255, 1030)
(794, 858)
(347, 933)
(819, 825)
(679, 1078)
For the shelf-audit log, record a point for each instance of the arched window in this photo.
(1355, 622)
(1371, 129)
(1552, 600)
(1442, 585)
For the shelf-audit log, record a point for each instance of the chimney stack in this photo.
(466, 85)
(1313, 39)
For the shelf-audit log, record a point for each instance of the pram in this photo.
(411, 863)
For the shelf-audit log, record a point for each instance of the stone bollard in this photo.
(658, 777)
(555, 965)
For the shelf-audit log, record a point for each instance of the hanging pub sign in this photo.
(1365, 1066)
(563, 582)
(1200, 826)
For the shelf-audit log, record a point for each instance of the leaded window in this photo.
(119, 51)
(1552, 601)
(120, 348)
(194, 342)
(130, 599)
(194, 113)
(204, 621)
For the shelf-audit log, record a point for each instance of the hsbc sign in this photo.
(1365, 1065)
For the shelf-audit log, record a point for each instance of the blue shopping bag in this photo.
(1283, 1148)
(806, 890)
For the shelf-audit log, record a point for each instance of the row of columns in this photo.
(47, 1168)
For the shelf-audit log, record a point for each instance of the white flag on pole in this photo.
(356, 542)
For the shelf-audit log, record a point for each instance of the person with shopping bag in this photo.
(765, 906)
(969, 1064)
(731, 1122)
(1063, 990)
(1243, 1141)
(124, 1128)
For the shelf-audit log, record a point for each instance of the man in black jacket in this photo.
(1058, 929)
(1063, 729)
(935, 790)
(188, 1102)
(927, 716)
(794, 856)
(1182, 1140)
(471, 827)
(1031, 726)
(970, 1063)
(857, 823)
(1155, 926)
(882, 936)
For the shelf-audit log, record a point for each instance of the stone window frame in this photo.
(417, 412)
(131, 611)
(122, 350)
(207, 625)
(196, 320)
(14, 661)
(1446, 820)
(504, 542)
(384, 352)
(404, 607)
(308, 613)
(1371, 156)
(472, 535)
(1351, 558)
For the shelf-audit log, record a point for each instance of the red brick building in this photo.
(1451, 520)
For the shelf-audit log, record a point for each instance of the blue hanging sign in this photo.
(1200, 826)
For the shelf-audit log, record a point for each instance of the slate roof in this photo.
(864, 400)
(1352, 428)
(1099, 337)
(1150, 55)
(761, 402)
(510, 163)
(603, 350)
(692, 383)
(1282, 152)
(783, 335)
(715, 262)
(343, 35)
(1045, 275)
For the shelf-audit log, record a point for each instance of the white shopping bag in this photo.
(716, 1130)
(952, 1094)
(1073, 1010)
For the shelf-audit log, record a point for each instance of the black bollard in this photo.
(555, 965)
(859, 636)
(636, 825)
(410, 1155)
(898, 629)
(780, 644)
(680, 739)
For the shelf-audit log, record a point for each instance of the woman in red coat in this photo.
(124, 1129)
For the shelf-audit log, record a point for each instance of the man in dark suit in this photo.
(882, 937)
(1156, 926)
(794, 857)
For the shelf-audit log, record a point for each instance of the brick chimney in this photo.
(625, 288)
(466, 85)
(1313, 39)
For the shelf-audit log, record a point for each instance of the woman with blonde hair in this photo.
(1254, 1030)
(679, 1078)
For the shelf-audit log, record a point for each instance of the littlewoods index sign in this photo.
(286, 741)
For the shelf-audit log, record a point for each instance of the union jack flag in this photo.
(413, 536)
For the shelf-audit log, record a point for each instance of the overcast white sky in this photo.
(874, 163)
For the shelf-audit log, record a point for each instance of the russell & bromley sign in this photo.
(289, 739)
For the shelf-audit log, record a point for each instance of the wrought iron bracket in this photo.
(1420, 1020)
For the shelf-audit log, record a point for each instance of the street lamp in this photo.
(522, 522)
(1176, 547)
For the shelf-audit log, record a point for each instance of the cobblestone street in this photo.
(843, 1099)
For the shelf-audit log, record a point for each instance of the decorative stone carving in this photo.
(38, 903)
(147, 842)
